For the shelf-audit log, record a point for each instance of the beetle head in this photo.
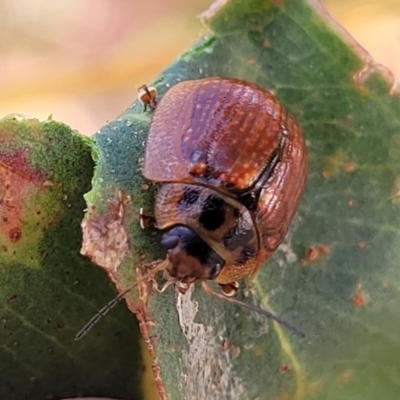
(190, 257)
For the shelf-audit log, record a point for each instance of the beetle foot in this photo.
(146, 221)
(230, 289)
(148, 95)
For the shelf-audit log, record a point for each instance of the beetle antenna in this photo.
(113, 302)
(252, 307)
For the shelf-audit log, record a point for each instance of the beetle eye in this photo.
(169, 241)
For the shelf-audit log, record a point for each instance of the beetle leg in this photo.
(146, 220)
(147, 95)
(230, 289)
(164, 287)
(252, 307)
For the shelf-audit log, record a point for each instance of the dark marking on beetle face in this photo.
(190, 256)
(246, 254)
(189, 197)
(237, 237)
(213, 213)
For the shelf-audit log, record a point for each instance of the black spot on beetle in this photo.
(180, 240)
(189, 197)
(213, 213)
(237, 237)
(246, 254)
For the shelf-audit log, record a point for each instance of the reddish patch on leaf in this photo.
(16, 163)
(17, 178)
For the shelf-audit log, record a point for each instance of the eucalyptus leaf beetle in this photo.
(232, 163)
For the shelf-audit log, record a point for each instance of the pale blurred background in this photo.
(81, 61)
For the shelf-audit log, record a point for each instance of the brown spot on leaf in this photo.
(285, 367)
(14, 234)
(12, 298)
(312, 254)
(315, 253)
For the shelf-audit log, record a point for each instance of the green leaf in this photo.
(336, 276)
(47, 289)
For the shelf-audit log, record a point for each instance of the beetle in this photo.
(231, 162)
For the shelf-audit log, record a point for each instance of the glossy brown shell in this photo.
(235, 138)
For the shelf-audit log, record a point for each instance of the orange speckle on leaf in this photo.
(361, 245)
(358, 300)
(325, 248)
(345, 376)
(349, 167)
(326, 174)
(314, 253)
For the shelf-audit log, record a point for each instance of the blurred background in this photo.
(82, 61)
